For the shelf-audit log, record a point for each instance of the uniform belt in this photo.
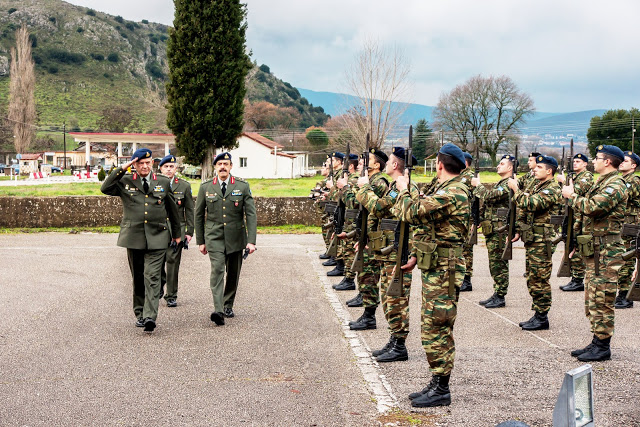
(388, 224)
(502, 212)
(351, 213)
(539, 229)
(609, 238)
(446, 252)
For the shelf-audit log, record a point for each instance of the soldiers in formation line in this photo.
(439, 215)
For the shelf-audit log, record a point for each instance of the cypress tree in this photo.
(208, 64)
(422, 140)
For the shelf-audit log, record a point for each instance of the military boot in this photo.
(338, 270)
(488, 300)
(366, 321)
(578, 352)
(622, 301)
(498, 301)
(397, 353)
(601, 350)
(521, 324)
(576, 284)
(324, 256)
(330, 262)
(438, 395)
(388, 346)
(433, 383)
(355, 301)
(347, 284)
(539, 322)
(466, 284)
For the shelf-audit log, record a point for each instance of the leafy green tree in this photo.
(422, 140)
(208, 64)
(613, 128)
(318, 138)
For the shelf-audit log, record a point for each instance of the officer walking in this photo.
(600, 215)
(184, 201)
(147, 203)
(225, 226)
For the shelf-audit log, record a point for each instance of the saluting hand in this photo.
(128, 165)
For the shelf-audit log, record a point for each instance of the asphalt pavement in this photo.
(71, 355)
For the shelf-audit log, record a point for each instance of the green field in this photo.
(299, 187)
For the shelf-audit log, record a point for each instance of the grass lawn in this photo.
(259, 187)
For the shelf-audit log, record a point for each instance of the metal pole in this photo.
(64, 143)
(633, 134)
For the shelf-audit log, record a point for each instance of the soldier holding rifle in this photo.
(534, 227)
(599, 218)
(526, 182)
(467, 249)
(632, 181)
(442, 218)
(496, 198)
(318, 194)
(582, 182)
(335, 166)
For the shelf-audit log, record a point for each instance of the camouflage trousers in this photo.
(626, 271)
(600, 290)
(439, 311)
(368, 281)
(396, 309)
(347, 253)
(538, 276)
(498, 267)
(577, 266)
(467, 254)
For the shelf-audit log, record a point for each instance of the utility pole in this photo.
(64, 143)
(633, 133)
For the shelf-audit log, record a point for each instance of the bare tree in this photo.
(379, 79)
(487, 110)
(22, 107)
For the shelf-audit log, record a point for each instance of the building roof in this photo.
(112, 137)
(262, 140)
(284, 154)
(31, 156)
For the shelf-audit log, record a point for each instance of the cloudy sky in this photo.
(569, 55)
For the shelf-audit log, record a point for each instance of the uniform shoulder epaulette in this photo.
(207, 180)
(162, 175)
(382, 178)
(239, 179)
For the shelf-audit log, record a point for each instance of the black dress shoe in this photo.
(324, 256)
(228, 312)
(172, 303)
(355, 301)
(149, 324)
(329, 263)
(139, 323)
(498, 301)
(218, 318)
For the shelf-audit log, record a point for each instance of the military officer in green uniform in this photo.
(317, 195)
(442, 218)
(335, 159)
(225, 226)
(493, 198)
(467, 249)
(184, 200)
(582, 182)
(599, 218)
(628, 168)
(526, 182)
(147, 203)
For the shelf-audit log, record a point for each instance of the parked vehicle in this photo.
(53, 168)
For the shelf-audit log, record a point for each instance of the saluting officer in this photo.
(184, 200)
(226, 224)
(147, 203)
(599, 218)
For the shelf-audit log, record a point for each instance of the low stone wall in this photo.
(102, 211)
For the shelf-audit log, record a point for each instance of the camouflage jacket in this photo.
(465, 178)
(633, 197)
(535, 207)
(494, 197)
(442, 217)
(428, 188)
(334, 194)
(347, 195)
(582, 182)
(601, 210)
(527, 181)
(380, 186)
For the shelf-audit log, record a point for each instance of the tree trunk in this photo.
(208, 171)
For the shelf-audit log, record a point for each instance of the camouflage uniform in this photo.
(493, 198)
(396, 309)
(536, 232)
(467, 249)
(632, 182)
(334, 196)
(582, 182)
(346, 249)
(324, 217)
(370, 276)
(600, 214)
(526, 183)
(442, 219)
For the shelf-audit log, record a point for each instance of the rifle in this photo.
(363, 218)
(507, 254)
(567, 223)
(475, 206)
(633, 230)
(395, 288)
(338, 218)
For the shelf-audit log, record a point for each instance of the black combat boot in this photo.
(488, 300)
(355, 301)
(397, 353)
(466, 284)
(622, 301)
(388, 346)
(521, 324)
(347, 284)
(432, 384)
(438, 395)
(330, 262)
(324, 256)
(338, 269)
(498, 301)
(366, 321)
(539, 322)
(576, 284)
(601, 350)
(578, 352)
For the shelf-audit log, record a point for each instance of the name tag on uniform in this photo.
(236, 193)
(158, 188)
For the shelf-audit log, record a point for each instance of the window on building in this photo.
(243, 162)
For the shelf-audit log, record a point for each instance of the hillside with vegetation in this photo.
(88, 62)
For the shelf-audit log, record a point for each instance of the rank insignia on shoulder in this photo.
(609, 190)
